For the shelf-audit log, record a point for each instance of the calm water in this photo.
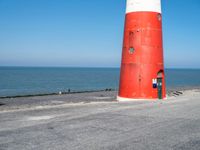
(22, 81)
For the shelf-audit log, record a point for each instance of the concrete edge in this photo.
(123, 99)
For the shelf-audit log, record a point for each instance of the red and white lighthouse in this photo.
(142, 68)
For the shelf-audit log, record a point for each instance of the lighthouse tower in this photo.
(142, 68)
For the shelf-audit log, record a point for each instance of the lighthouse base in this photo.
(123, 99)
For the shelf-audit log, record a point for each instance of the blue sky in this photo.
(89, 33)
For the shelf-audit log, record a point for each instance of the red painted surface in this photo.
(143, 34)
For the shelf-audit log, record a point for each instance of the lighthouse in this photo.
(142, 74)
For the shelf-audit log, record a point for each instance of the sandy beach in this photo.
(97, 121)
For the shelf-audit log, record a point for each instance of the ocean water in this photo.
(16, 81)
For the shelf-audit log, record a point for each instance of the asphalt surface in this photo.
(96, 121)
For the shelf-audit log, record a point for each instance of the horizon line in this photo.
(114, 67)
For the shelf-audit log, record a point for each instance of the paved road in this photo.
(101, 125)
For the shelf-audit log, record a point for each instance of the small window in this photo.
(131, 50)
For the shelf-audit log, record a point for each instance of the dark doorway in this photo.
(160, 84)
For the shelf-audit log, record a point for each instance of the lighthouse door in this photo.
(160, 84)
(159, 80)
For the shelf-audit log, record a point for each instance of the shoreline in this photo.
(53, 94)
(84, 97)
(170, 91)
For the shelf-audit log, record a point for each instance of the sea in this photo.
(19, 81)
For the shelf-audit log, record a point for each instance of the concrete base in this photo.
(123, 99)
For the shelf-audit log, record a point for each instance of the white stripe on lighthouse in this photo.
(143, 5)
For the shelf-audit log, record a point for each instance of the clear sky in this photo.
(89, 33)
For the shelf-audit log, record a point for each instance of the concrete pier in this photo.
(95, 121)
